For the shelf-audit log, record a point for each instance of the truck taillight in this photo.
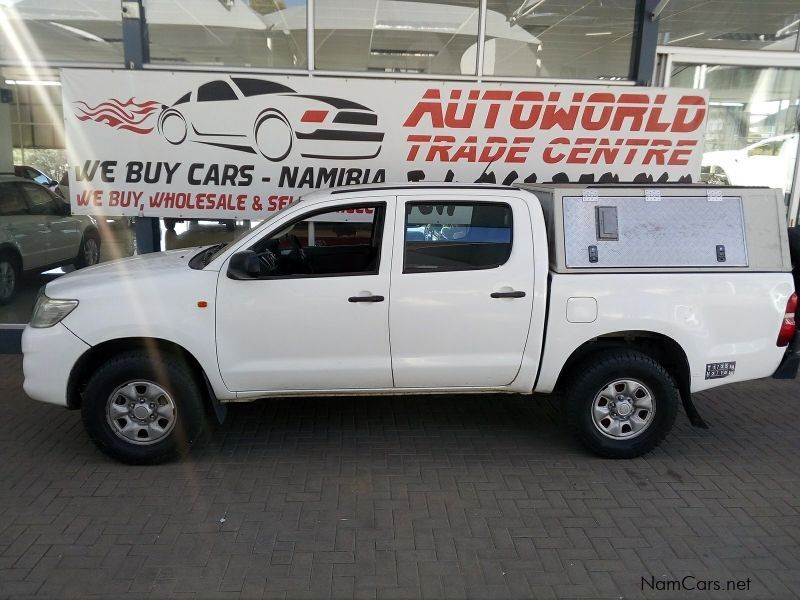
(788, 327)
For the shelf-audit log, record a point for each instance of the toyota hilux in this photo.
(627, 299)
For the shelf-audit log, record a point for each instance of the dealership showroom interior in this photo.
(399, 299)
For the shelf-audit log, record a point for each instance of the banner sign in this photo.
(210, 145)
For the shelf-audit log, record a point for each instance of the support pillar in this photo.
(6, 146)
(136, 45)
(643, 53)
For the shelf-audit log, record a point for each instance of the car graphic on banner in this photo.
(263, 117)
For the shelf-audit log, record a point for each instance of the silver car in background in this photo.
(38, 233)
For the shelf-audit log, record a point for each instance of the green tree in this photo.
(266, 7)
(53, 162)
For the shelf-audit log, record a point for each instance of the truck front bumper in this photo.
(48, 357)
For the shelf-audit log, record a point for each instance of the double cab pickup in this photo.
(625, 300)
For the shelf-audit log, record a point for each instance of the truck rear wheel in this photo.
(142, 409)
(622, 404)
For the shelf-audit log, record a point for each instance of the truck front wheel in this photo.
(622, 404)
(143, 409)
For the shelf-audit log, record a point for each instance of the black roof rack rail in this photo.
(639, 185)
(412, 185)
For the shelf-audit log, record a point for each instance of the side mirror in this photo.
(244, 265)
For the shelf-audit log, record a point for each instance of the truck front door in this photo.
(462, 290)
(320, 321)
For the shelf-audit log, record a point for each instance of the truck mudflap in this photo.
(790, 361)
(684, 387)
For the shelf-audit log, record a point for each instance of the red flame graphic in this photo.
(130, 115)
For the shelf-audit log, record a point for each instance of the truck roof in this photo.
(440, 186)
(635, 185)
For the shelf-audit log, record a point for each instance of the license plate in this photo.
(720, 370)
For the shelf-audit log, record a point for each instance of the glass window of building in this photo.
(735, 24)
(752, 129)
(61, 30)
(397, 36)
(37, 120)
(576, 39)
(259, 33)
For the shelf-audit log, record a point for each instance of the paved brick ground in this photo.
(477, 497)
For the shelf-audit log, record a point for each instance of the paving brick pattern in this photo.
(445, 497)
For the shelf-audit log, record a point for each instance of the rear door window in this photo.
(456, 236)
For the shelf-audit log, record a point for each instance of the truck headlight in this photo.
(49, 311)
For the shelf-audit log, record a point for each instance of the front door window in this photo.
(339, 242)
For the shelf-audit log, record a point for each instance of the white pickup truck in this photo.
(627, 298)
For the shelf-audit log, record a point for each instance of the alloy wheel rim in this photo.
(623, 409)
(7, 280)
(90, 252)
(141, 412)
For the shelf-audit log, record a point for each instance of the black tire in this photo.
(10, 273)
(601, 371)
(166, 371)
(82, 261)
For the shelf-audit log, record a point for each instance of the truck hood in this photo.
(122, 272)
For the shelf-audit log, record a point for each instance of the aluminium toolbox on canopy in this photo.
(635, 228)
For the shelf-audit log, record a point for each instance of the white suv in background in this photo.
(37, 233)
(769, 162)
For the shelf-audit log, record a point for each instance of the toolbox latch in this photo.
(590, 195)
(714, 194)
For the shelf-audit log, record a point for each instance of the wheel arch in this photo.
(92, 231)
(97, 355)
(660, 347)
(9, 248)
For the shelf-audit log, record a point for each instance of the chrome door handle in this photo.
(514, 294)
(366, 299)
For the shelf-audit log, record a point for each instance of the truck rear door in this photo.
(462, 290)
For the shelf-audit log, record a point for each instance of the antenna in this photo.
(486, 168)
